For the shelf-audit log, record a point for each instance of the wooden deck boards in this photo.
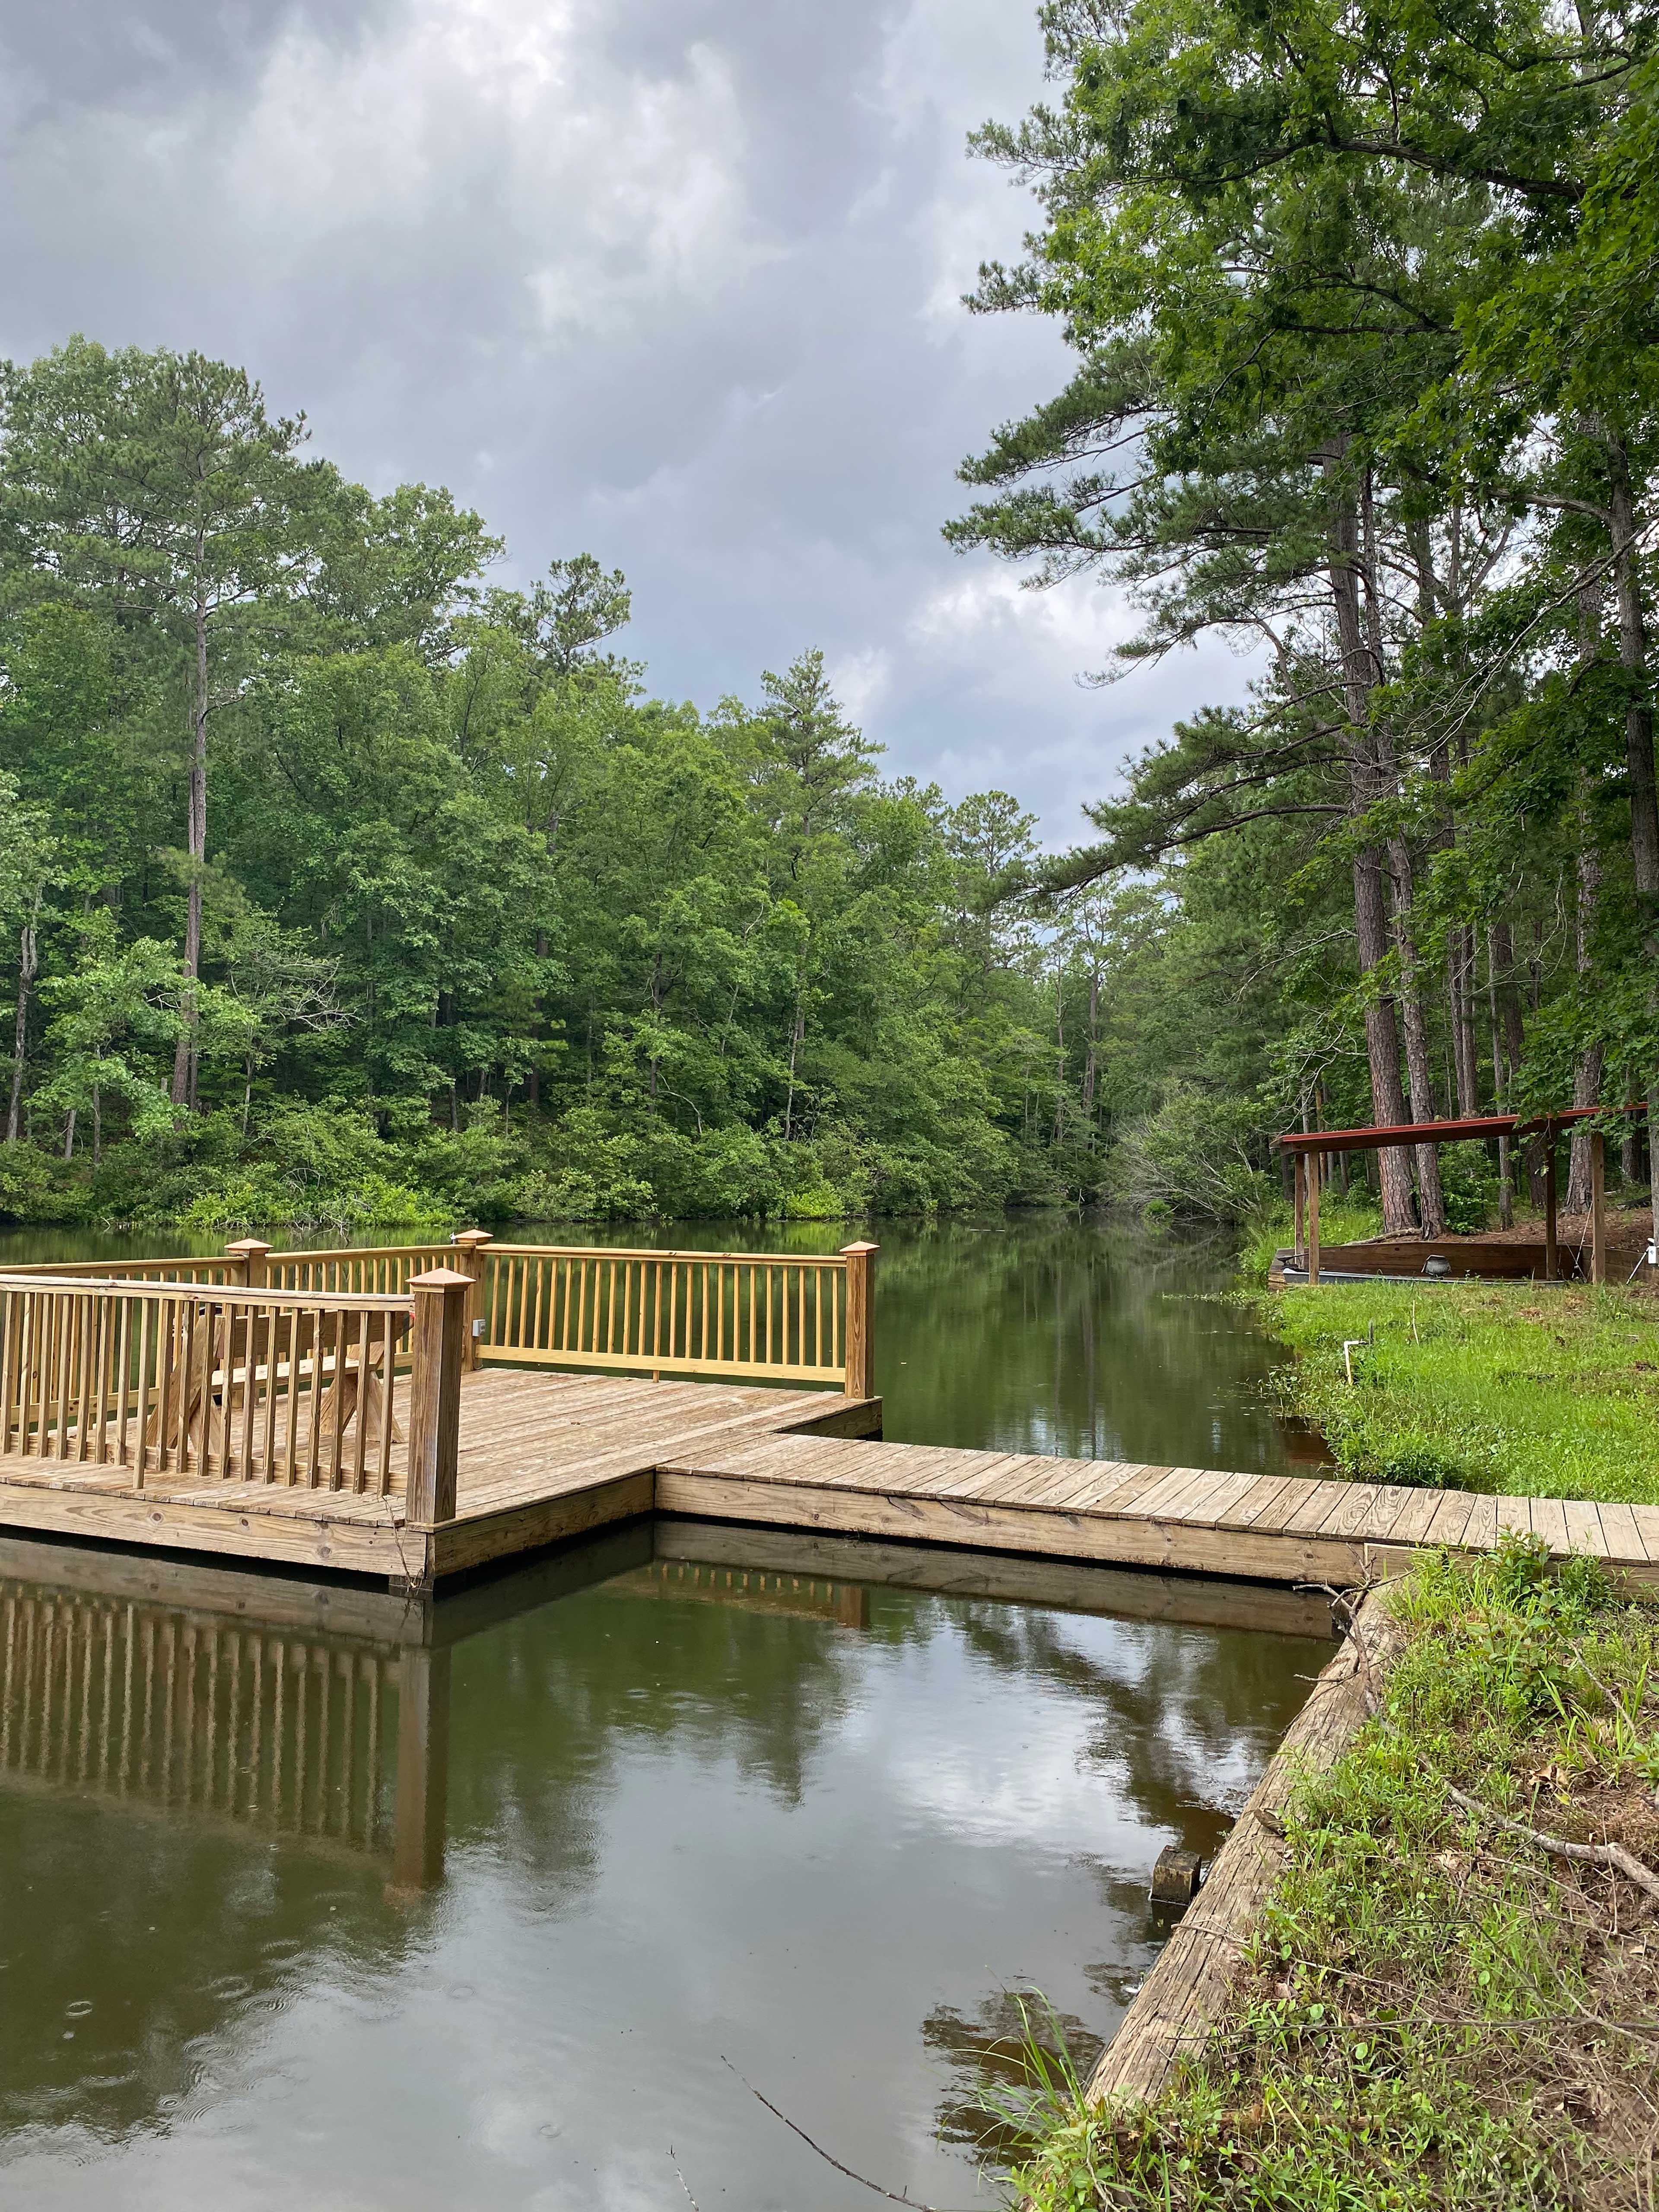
(545, 1455)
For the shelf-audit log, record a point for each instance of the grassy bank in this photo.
(1436, 2012)
(1490, 1386)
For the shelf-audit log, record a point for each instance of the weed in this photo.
(1479, 1386)
(1436, 2014)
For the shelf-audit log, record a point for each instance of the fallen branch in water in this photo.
(684, 2183)
(1604, 1855)
(893, 2196)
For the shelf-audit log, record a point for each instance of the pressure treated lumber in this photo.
(539, 1457)
(1179, 2003)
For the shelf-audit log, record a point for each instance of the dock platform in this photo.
(386, 1415)
(545, 1456)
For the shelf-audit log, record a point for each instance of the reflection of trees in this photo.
(545, 1708)
(1061, 1335)
(991, 2052)
(179, 1914)
(1180, 1703)
(168, 1935)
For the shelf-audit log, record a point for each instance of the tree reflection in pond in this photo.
(477, 1917)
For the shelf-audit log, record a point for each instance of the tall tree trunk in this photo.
(1638, 714)
(28, 967)
(1092, 1060)
(1460, 987)
(184, 1058)
(1633, 656)
(1059, 1056)
(1500, 1091)
(1587, 1072)
(1501, 948)
(1368, 781)
(1630, 1144)
(68, 1136)
(1430, 1197)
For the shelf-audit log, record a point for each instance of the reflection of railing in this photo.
(777, 1316)
(754, 1590)
(218, 1721)
(248, 1385)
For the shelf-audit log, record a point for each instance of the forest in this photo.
(1362, 303)
(341, 884)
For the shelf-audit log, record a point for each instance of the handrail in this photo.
(226, 1294)
(204, 1380)
(132, 1271)
(245, 1367)
(761, 1316)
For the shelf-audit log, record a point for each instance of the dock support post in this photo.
(421, 1805)
(860, 1349)
(438, 1343)
(470, 1250)
(248, 1256)
(1551, 1269)
(1300, 1178)
(1315, 1163)
(1598, 1207)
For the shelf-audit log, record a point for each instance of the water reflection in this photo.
(316, 1894)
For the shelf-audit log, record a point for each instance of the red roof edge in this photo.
(1382, 1138)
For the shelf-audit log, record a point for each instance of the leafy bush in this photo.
(1190, 1158)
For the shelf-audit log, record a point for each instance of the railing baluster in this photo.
(64, 1316)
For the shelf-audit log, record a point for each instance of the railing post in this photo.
(860, 1349)
(468, 1246)
(247, 1256)
(438, 1343)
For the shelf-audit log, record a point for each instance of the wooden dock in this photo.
(345, 1413)
(543, 1457)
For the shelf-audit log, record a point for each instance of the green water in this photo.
(315, 1898)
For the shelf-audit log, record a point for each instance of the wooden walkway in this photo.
(546, 1455)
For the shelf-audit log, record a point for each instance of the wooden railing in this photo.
(190, 1378)
(779, 1317)
(342, 1369)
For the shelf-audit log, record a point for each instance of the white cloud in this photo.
(676, 281)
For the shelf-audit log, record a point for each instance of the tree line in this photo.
(1362, 303)
(341, 883)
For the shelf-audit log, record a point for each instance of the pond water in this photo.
(1037, 1333)
(501, 1901)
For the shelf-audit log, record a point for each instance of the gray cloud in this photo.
(674, 281)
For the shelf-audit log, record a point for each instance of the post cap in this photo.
(472, 1238)
(440, 1278)
(846, 1249)
(251, 1247)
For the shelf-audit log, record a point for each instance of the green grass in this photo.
(1341, 1221)
(1504, 1387)
(1435, 2015)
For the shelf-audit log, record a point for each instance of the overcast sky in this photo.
(673, 282)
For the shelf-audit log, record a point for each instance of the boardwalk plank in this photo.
(545, 1454)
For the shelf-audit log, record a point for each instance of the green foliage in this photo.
(1366, 371)
(338, 888)
(1341, 1221)
(1408, 2029)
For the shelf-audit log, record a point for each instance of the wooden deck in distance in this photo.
(546, 1455)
